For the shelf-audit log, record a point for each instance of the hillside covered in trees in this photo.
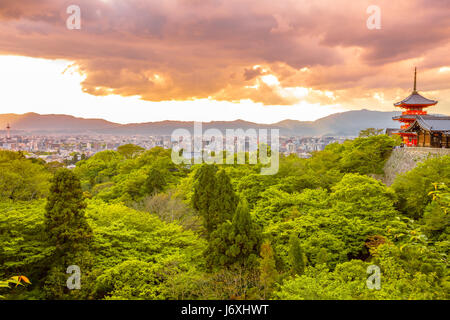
(140, 227)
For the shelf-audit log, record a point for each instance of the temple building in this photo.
(418, 129)
(430, 131)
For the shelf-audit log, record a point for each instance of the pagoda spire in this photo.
(415, 80)
(413, 106)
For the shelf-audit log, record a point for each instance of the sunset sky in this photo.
(258, 60)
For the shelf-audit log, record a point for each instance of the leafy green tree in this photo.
(413, 187)
(130, 150)
(370, 132)
(367, 155)
(235, 243)
(252, 185)
(296, 256)
(436, 218)
(358, 194)
(277, 205)
(65, 222)
(132, 279)
(100, 168)
(155, 181)
(25, 248)
(21, 179)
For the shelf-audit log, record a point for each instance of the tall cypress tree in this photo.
(204, 195)
(235, 243)
(225, 199)
(155, 181)
(69, 231)
(296, 256)
(65, 222)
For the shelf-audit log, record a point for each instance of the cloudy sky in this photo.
(258, 60)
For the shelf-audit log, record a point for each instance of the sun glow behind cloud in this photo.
(54, 87)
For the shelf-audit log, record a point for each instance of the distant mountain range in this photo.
(344, 124)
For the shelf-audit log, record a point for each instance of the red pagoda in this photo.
(413, 107)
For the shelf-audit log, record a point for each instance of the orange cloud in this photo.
(192, 49)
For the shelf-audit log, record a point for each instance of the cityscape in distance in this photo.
(66, 138)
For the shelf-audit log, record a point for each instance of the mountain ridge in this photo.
(345, 123)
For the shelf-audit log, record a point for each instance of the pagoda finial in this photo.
(415, 80)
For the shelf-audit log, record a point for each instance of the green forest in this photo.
(140, 227)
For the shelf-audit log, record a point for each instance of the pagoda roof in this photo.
(415, 99)
(405, 116)
(431, 123)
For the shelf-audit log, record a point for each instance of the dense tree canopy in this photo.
(141, 227)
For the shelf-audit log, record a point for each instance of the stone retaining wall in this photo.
(406, 159)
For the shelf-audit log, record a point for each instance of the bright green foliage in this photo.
(413, 187)
(21, 178)
(251, 186)
(436, 217)
(322, 222)
(331, 227)
(130, 151)
(348, 281)
(98, 169)
(122, 234)
(320, 171)
(113, 177)
(132, 279)
(119, 234)
(236, 243)
(367, 155)
(65, 222)
(24, 244)
(324, 246)
(361, 195)
(436, 220)
(296, 256)
(276, 205)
